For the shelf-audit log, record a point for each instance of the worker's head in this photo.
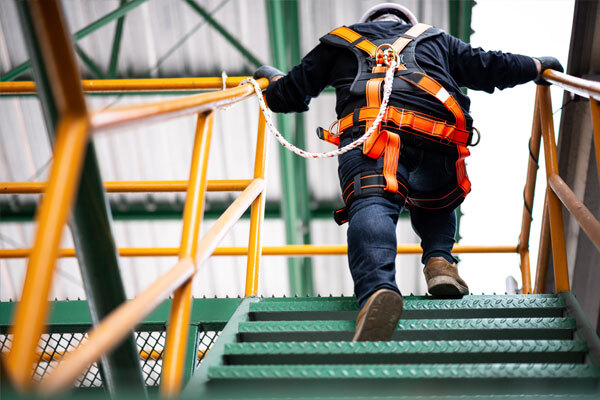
(389, 12)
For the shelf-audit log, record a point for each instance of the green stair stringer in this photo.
(479, 347)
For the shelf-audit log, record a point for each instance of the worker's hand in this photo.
(545, 63)
(266, 71)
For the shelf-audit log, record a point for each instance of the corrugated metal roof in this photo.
(163, 38)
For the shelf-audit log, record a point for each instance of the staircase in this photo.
(537, 346)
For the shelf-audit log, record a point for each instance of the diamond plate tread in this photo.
(432, 324)
(406, 298)
(465, 303)
(407, 347)
(407, 371)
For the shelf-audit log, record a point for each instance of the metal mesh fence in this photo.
(151, 344)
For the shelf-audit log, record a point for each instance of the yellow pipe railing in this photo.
(528, 192)
(595, 110)
(158, 111)
(287, 250)
(181, 307)
(557, 233)
(129, 85)
(231, 185)
(257, 211)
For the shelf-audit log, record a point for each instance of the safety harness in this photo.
(386, 140)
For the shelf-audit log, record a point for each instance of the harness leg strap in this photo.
(390, 162)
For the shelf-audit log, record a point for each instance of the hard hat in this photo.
(389, 8)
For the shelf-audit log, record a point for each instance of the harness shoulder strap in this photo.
(355, 39)
(414, 32)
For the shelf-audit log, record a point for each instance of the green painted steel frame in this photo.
(460, 18)
(92, 235)
(117, 13)
(91, 64)
(225, 33)
(135, 210)
(196, 387)
(293, 172)
(116, 46)
(209, 314)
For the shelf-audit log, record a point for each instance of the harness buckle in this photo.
(385, 54)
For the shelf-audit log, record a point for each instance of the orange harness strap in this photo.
(350, 36)
(414, 31)
(432, 87)
(382, 142)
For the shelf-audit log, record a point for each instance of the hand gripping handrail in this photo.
(579, 86)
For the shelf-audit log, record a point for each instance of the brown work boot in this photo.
(379, 316)
(443, 279)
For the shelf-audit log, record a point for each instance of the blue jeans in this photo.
(372, 220)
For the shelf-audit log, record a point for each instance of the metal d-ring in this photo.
(478, 137)
(389, 47)
(336, 124)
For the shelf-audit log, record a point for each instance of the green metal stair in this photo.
(511, 346)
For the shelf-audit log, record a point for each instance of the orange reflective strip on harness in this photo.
(415, 31)
(432, 87)
(350, 36)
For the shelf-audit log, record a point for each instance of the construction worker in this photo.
(415, 158)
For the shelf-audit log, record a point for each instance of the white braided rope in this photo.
(387, 91)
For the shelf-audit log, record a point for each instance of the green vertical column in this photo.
(460, 27)
(192, 354)
(293, 171)
(291, 13)
(91, 227)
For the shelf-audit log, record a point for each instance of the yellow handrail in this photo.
(181, 307)
(582, 87)
(286, 250)
(158, 111)
(230, 185)
(137, 85)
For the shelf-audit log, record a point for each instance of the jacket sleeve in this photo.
(478, 69)
(293, 92)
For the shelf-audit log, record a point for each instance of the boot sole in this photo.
(446, 287)
(381, 318)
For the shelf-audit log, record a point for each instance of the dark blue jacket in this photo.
(450, 61)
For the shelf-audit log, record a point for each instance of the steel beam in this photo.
(225, 33)
(291, 13)
(299, 276)
(116, 46)
(119, 12)
(23, 210)
(90, 224)
(87, 60)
